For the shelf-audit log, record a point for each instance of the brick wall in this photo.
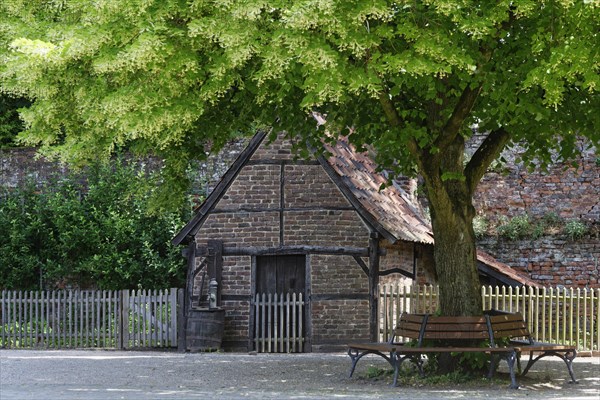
(572, 193)
(22, 165)
(274, 202)
(552, 261)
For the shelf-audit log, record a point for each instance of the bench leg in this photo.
(493, 365)
(567, 357)
(395, 361)
(355, 355)
(510, 359)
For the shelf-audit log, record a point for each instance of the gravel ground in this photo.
(97, 374)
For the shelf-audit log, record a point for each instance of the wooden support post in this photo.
(215, 266)
(373, 286)
(181, 321)
(189, 282)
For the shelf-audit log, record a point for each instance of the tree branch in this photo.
(459, 114)
(396, 122)
(487, 152)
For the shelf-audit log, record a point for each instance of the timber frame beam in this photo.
(283, 250)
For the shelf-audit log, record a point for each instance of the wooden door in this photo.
(281, 274)
(279, 304)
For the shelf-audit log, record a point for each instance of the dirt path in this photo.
(103, 375)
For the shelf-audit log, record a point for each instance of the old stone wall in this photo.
(552, 261)
(569, 192)
(22, 165)
(19, 165)
(563, 193)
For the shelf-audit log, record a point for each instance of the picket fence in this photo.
(558, 315)
(120, 319)
(279, 323)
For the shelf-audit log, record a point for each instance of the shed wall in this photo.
(274, 202)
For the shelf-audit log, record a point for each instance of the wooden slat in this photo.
(288, 325)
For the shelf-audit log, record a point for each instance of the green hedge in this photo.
(93, 230)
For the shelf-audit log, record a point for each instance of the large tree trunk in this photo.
(452, 213)
(455, 258)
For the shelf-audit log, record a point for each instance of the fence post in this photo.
(181, 321)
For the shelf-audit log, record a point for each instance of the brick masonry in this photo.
(311, 211)
(572, 193)
(276, 201)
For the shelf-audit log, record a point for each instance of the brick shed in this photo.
(320, 229)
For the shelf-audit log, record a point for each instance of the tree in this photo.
(411, 79)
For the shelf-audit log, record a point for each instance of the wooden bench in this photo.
(506, 335)
(449, 330)
(512, 329)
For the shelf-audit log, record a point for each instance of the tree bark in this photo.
(455, 259)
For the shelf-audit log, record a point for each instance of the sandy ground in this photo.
(101, 374)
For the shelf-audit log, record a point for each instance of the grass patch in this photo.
(409, 376)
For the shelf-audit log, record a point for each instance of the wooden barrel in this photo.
(204, 331)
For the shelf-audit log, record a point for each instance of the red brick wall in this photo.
(571, 193)
(551, 261)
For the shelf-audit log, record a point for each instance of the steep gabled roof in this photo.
(389, 210)
(192, 227)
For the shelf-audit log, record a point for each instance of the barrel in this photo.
(204, 330)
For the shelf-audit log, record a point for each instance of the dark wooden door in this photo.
(281, 274)
(279, 306)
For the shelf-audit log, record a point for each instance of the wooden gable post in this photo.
(374, 286)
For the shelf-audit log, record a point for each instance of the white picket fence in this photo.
(279, 323)
(558, 315)
(120, 319)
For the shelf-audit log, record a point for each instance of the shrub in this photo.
(480, 226)
(517, 227)
(95, 232)
(552, 219)
(575, 229)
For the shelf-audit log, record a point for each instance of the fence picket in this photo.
(287, 312)
(279, 325)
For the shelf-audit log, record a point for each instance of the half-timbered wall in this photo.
(277, 202)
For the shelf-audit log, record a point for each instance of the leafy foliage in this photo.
(575, 229)
(94, 233)
(407, 79)
(517, 227)
(10, 123)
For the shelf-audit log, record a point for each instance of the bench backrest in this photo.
(493, 326)
(427, 327)
(410, 326)
(508, 326)
(456, 328)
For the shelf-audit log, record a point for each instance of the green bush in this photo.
(92, 231)
(575, 229)
(480, 226)
(517, 227)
